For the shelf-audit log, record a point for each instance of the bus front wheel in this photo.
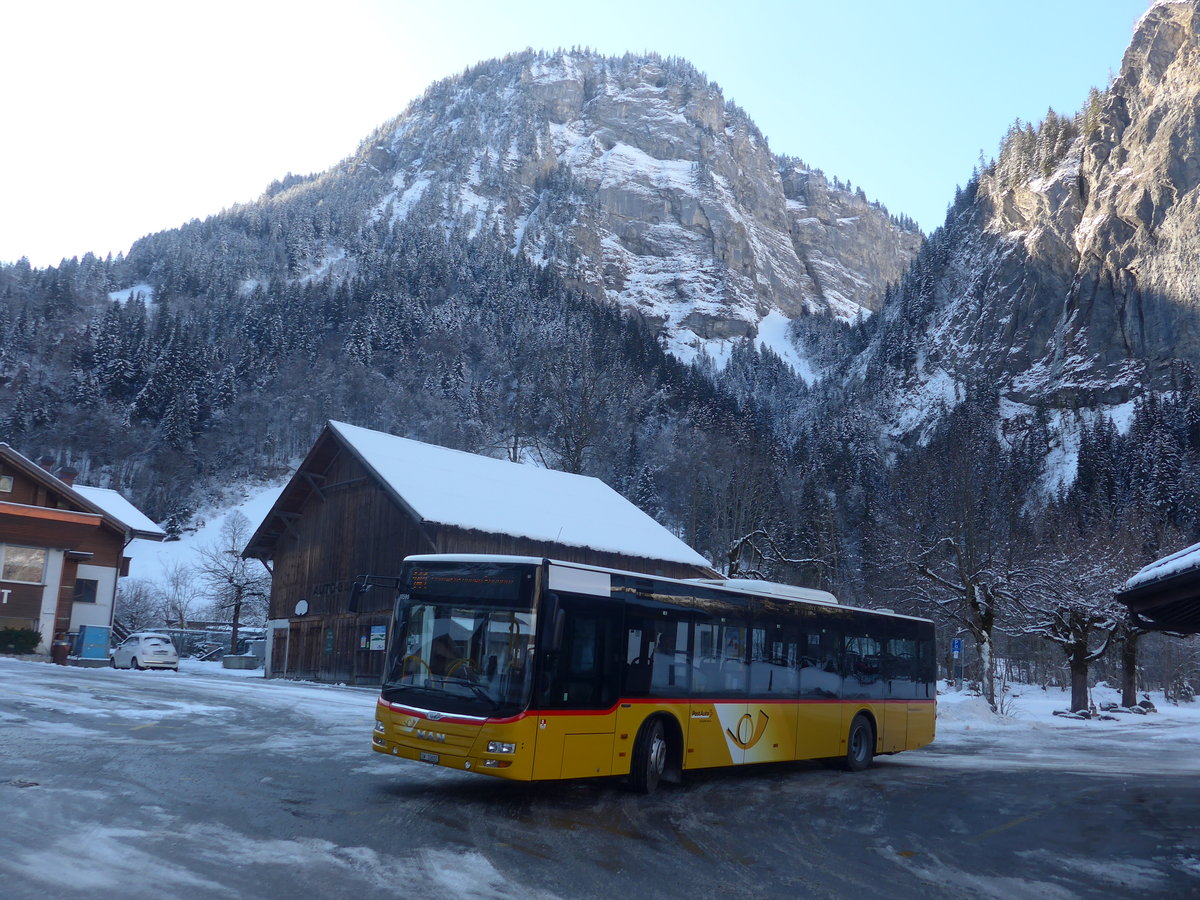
(649, 757)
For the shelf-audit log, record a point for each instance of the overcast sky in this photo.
(127, 117)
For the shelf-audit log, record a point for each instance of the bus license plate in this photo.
(428, 757)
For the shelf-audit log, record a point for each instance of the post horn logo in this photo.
(749, 733)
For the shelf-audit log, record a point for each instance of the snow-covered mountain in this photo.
(1067, 275)
(482, 271)
(635, 179)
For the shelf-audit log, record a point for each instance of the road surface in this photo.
(197, 784)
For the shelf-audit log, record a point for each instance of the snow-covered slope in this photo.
(152, 562)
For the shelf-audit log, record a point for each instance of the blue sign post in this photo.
(956, 652)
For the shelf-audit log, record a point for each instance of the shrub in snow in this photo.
(19, 640)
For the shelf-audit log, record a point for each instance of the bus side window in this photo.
(669, 667)
(899, 665)
(773, 670)
(926, 673)
(705, 661)
(862, 668)
(589, 681)
(820, 678)
(639, 656)
(721, 652)
(581, 673)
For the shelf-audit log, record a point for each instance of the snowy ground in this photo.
(215, 782)
(1029, 735)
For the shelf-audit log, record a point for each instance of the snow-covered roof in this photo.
(1168, 566)
(464, 490)
(1165, 595)
(116, 506)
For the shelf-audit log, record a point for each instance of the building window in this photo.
(6, 483)
(85, 590)
(26, 564)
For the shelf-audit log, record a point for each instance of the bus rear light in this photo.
(501, 747)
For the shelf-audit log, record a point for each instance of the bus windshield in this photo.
(464, 640)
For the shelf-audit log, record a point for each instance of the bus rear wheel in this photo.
(860, 745)
(649, 757)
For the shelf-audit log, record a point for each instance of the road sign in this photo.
(956, 647)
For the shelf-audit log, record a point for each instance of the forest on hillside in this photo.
(210, 376)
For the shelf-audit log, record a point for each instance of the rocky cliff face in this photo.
(1137, 285)
(1068, 276)
(636, 180)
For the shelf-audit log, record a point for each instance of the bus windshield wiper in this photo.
(476, 689)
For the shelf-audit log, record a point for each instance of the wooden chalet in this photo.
(362, 501)
(62, 547)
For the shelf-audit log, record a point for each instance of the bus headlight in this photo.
(501, 747)
(379, 729)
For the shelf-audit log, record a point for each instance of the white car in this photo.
(145, 650)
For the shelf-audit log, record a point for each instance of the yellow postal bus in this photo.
(533, 669)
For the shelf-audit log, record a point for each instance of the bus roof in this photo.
(771, 588)
(751, 586)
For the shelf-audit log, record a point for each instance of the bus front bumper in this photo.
(485, 748)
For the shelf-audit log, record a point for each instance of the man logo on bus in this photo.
(749, 733)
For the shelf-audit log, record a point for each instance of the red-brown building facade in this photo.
(62, 548)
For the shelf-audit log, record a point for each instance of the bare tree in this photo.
(958, 524)
(971, 590)
(1067, 597)
(750, 554)
(1127, 635)
(583, 396)
(180, 594)
(236, 587)
(138, 606)
(1179, 664)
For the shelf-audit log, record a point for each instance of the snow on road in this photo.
(1030, 735)
(53, 717)
(132, 837)
(208, 690)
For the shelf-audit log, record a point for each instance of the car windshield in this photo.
(463, 649)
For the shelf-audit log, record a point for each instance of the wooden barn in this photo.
(362, 501)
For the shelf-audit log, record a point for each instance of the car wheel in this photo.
(134, 664)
